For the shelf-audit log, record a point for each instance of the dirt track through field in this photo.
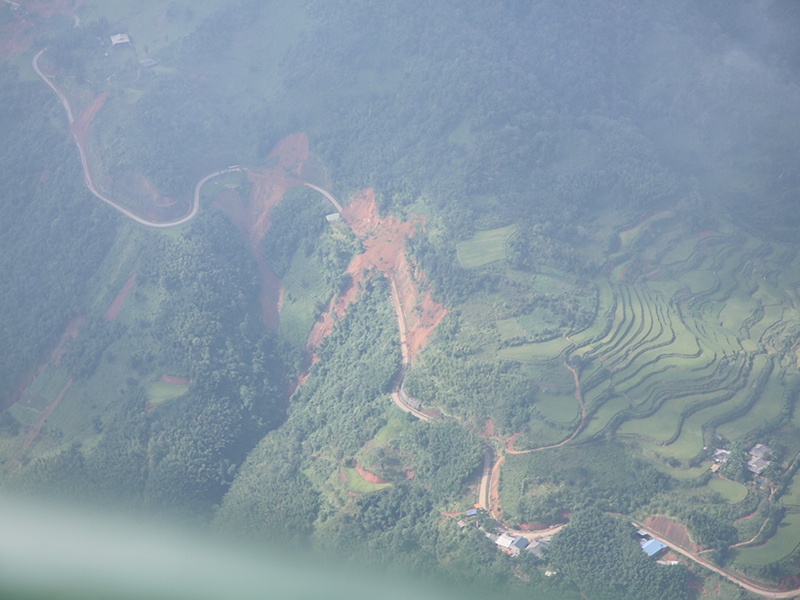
(510, 443)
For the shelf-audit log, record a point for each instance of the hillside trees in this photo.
(55, 234)
(181, 456)
(599, 554)
(338, 409)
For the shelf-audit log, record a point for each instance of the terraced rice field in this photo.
(688, 339)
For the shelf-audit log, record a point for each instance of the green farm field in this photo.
(690, 347)
(731, 491)
(780, 545)
(159, 391)
(484, 247)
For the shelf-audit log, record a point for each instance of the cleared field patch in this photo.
(484, 247)
(393, 429)
(780, 545)
(160, 391)
(731, 491)
(683, 474)
(358, 485)
(303, 290)
(561, 409)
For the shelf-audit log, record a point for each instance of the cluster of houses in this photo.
(758, 458)
(513, 545)
(509, 543)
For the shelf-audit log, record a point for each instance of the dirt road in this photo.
(750, 586)
(87, 174)
(397, 390)
(483, 498)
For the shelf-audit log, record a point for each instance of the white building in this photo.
(120, 38)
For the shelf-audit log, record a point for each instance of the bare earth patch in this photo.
(286, 161)
(384, 250)
(15, 37)
(116, 305)
(366, 475)
(671, 530)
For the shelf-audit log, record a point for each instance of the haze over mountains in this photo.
(329, 275)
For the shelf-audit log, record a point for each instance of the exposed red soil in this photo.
(533, 526)
(494, 489)
(409, 475)
(33, 430)
(342, 476)
(174, 379)
(384, 250)
(24, 380)
(15, 36)
(18, 34)
(366, 475)
(116, 305)
(488, 429)
(80, 128)
(269, 184)
(670, 556)
(746, 517)
(671, 530)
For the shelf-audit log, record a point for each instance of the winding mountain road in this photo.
(87, 174)
(490, 475)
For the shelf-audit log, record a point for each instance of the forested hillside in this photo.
(577, 281)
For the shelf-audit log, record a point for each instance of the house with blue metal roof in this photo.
(653, 547)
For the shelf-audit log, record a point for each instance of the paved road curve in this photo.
(327, 194)
(87, 174)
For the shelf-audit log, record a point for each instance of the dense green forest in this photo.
(607, 201)
(55, 234)
(599, 553)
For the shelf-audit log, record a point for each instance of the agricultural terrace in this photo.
(484, 247)
(694, 330)
(696, 334)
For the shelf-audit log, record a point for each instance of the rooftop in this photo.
(756, 465)
(653, 547)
